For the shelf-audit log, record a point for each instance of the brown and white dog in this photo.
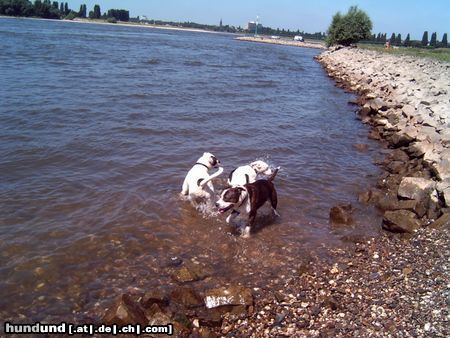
(248, 199)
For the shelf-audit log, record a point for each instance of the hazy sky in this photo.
(399, 16)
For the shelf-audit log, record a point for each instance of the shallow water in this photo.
(99, 126)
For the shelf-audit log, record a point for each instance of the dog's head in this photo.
(261, 167)
(209, 160)
(229, 198)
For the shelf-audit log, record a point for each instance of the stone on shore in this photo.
(400, 221)
(415, 188)
(125, 311)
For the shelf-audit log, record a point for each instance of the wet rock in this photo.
(396, 167)
(154, 297)
(361, 147)
(125, 311)
(232, 295)
(186, 297)
(190, 272)
(400, 221)
(401, 139)
(443, 221)
(341, 214)
(415, 188)
(374, 135)
(209, 317)
(364, 197)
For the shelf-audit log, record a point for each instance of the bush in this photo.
(349, 28)
(111, 20)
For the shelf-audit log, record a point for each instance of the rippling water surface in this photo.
(100, 124)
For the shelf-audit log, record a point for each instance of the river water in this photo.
(99, 126)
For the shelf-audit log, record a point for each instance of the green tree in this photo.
(425, 38)
(433, 40)
(16, 8)
(82, 12)
(352, 27)
(444, 42)
(392, 39)
(407, 41)
(398, 40)
(97, 12)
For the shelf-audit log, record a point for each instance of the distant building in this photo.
(251, 26)
(220, 25)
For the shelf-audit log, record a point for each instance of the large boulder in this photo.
(415, 188)
(400, 221)
(125, 311)
(232, 295)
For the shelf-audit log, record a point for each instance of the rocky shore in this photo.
(265, 39)
(406, 100)
(389, 286)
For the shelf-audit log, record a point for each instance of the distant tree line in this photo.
(54, 10)
(396, 40)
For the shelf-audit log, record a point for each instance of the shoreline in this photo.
(283, 42)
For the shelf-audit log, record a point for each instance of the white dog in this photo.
(248, 173)
(197, 184)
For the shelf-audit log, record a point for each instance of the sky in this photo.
(388, 16)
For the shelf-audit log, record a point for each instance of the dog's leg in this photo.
(251, 222)
(232, 216)
(185, 188)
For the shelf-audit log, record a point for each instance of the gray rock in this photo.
(415, 188)
(400, 221)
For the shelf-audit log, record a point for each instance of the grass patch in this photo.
(442, 54)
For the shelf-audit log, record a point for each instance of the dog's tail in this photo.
(213, 176)
(271, 178)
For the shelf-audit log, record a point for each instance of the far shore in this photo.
(121, 23)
